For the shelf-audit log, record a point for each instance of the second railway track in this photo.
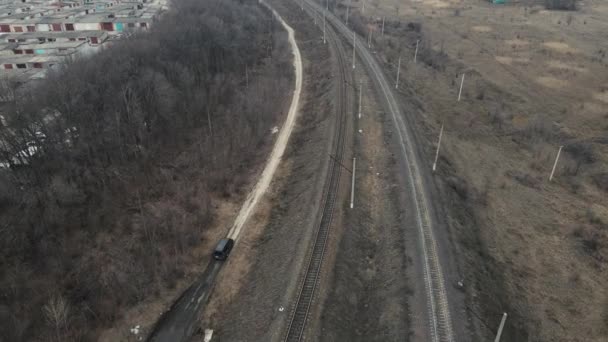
(438, 308)
(310, 280)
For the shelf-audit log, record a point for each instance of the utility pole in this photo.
(555, 164)
(398, 70)
(438, 146)
(209, 122)
(382, 26)
(246, 77)
(416, 53)
(502, 325)
(460, 91)
(352, 186)
(302, 5)
(369, 38)
(354, 46)
(363, 9)
(360, 95)
(323, 27)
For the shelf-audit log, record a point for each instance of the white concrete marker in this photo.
(360, 95)
(461, 83)
(502, 325)
(416, 52)
(208, 335)
(354, 46)
(555, 164)
(398, 70)
(352, 186)
(438, 146)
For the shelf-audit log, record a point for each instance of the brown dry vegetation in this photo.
(535, 80)
(137, 148)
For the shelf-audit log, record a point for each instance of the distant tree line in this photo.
(110, 166)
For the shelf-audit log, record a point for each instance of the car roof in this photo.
(222, 244)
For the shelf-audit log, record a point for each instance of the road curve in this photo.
(178, 324)
(281, 143)
(439, 317)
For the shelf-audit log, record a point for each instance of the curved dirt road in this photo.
(177, 324)
(281, 143)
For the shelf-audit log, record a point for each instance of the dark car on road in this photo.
(222, 249)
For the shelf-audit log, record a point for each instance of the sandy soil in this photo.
(536, 80)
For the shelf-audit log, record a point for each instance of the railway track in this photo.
(438, 309)
(310, 280)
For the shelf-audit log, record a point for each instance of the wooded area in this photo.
(115, 161)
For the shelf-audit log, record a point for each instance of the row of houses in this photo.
(39, 34)
(110, 15)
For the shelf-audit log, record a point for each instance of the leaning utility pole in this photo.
(460, 91)
(398, 70)
(555, 164)
(416, 53)
(438, 147)
(500, 328)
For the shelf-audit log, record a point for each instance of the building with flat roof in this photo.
(38, 34)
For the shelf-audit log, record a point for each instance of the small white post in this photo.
(398, 71)
(323, 27)
(555, 164)
(352, 186)
(360, 95)
(382, 26)
(438, 147)
(354, 46)
(460, 91)
(416, 52)
(502, 325)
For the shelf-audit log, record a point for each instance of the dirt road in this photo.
(178, 324)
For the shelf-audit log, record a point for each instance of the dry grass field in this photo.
(535, 80)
